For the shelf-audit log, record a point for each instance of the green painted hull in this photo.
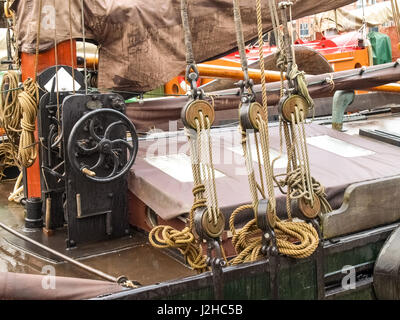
(296, 279)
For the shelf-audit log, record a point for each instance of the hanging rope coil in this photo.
(247, 240)
(6, 157)
(29, 99)
(19, 110)
(305, 236)
(11, 112)
(167, 237)
(296, 239)
(184, 240)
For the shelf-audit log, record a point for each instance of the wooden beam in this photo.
(45, 59)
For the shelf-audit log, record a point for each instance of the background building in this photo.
(305, 28)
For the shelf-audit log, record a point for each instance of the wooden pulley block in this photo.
(248, 114)
(265, 216)
(288, 104)
(191, 112)
(206, 229)
(310, 212)
(212, 230)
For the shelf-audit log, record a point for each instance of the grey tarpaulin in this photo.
(142, 41)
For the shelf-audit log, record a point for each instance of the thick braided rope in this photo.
(249, 167)
(302, 166)
(163, 237)
(263, 127)
(204, 196)
(296, 239)
(304, 232)
(7, 156)
(10, 107)
(29, 99)
(248, 241)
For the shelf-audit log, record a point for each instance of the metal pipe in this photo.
(60, 255)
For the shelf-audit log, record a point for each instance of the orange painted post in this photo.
(46, 59)
(223, 72)
(390, 87)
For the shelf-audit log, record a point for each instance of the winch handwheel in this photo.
(86, 140)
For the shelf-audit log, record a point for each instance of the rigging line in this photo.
(291, 34)
(274, 23)
(84, 46)
(264, 133)
(56, 66)
(188, 35)
(71, 46)
(240, 39)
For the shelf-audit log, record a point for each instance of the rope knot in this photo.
(281, 60)
(198, 190)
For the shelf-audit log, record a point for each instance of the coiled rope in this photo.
(296, 239)
(163, 237)
(29, 100)
(167, 237)
(19, 110)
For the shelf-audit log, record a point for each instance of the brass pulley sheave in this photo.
(190, 113)
(206, 228)
(287, 106)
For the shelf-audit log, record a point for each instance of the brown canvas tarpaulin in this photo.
(20, 286)
(142, 41)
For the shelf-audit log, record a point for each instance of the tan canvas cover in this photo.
(20, 286)
(346, 20)
(142, 41)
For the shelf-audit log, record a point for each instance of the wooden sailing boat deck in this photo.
(159, 270)
(132, 256)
